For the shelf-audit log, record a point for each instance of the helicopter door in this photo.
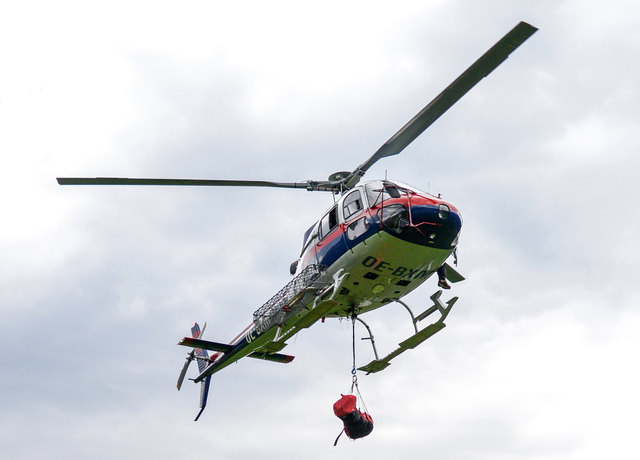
(331, 245)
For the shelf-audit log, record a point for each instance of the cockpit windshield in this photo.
(379, 191)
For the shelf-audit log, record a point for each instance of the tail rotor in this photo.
(203, 359)
(196, 333)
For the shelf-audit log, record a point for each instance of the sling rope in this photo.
(354, 370)
(354, 375)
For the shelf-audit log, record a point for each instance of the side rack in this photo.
(291, 298)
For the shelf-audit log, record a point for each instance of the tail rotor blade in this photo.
(184, 369)
(196, 332)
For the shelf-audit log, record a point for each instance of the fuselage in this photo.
(388, 237)
(381, 239)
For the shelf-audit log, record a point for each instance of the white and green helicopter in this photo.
(379, 241)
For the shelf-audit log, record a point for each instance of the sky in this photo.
(538, 359)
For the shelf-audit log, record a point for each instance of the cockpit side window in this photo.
(352, 204)
(329, 222)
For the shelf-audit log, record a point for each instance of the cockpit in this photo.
(381, 205)
(353, 203)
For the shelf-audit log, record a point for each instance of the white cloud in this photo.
(99, 283)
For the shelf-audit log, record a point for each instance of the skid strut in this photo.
(373, 341)
(416, 339)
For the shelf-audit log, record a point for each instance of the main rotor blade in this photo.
(308, 185)
(443, 101)
(398, 142)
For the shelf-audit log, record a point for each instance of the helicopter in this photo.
(378, 242)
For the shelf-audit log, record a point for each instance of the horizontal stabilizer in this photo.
(225, 348)
(275, 357)
(206, 345)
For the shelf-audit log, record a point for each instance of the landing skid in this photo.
(416, 339)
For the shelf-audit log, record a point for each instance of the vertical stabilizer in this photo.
(204, 394)
(203, 359)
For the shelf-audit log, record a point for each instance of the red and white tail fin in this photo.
(202, 354)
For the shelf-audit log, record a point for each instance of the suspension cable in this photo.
(354, 370)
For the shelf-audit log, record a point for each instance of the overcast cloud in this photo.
(539, 359)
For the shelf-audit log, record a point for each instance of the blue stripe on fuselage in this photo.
(425, 218)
